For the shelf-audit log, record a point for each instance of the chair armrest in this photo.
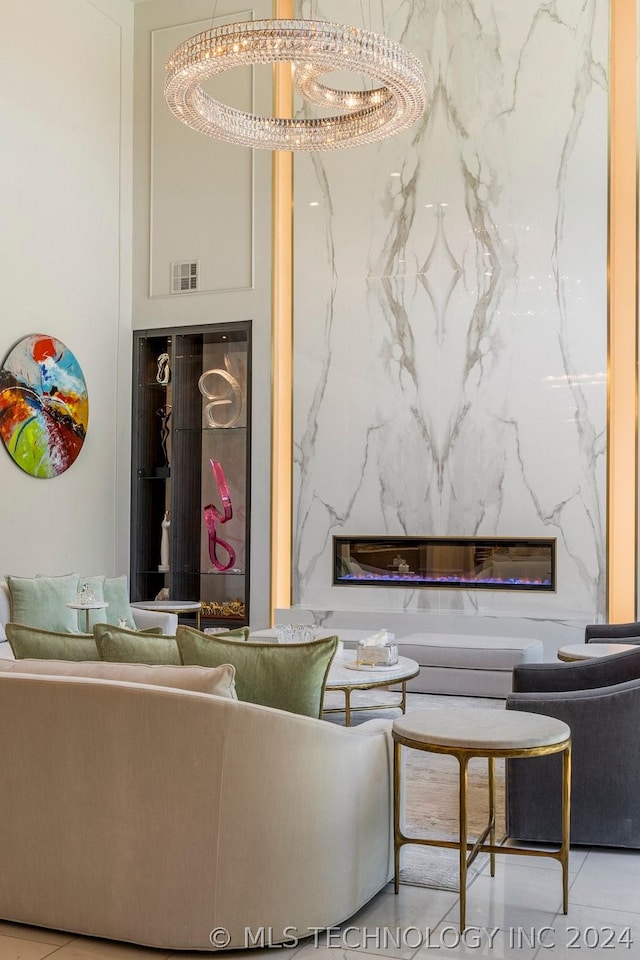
(144, 619)
(594, 716)
(612, 632)
(581, 675)
(371, 727)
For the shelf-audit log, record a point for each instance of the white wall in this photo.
(451, 315)
(65, 156)
(198, 198)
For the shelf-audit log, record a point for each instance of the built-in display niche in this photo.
(475, 563)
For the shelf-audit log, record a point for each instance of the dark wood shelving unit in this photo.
(185, 484)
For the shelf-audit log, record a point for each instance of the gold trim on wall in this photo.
(282, 343)
(622, 458)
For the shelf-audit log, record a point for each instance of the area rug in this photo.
(431, 796)
(431, 810)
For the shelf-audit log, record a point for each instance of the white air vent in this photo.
(184, 276)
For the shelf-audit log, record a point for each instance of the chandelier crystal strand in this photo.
(315, 47)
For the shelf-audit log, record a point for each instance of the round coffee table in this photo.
(346, 676)
(590, 651)
(482, 733)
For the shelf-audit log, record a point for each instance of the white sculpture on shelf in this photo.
(163, 566)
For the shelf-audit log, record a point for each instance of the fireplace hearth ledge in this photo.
(552, 632)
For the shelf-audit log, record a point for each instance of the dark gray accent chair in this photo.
(612, 633)
(600, 700)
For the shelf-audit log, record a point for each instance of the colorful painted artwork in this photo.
(44, 407)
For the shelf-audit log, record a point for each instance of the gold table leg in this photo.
(347, 707)
(566, 825)
(463, 761)
(396, 816)
(492, 812)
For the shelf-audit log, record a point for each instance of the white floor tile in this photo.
(592, 932)
(93, 948)
(609, 879)
(516, 897)
(446, 942)
(17, 948)
(255, 953)
(36, 934)
(389, 925)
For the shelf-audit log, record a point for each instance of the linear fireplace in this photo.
(475, 563)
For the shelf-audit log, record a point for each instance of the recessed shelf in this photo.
(171, 425)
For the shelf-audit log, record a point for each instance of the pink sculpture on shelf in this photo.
(213, 516)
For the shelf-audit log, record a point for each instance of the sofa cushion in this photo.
(218, 681)
(40, 602)
(118, 645)
(32, 642)
(288, 676)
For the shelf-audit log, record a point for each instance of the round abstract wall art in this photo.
(44, 406)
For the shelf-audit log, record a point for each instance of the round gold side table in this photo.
(482, 733)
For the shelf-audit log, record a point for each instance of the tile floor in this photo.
(512, 915)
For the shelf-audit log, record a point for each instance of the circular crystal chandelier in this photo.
(314, 47)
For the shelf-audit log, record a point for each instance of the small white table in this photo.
(171, 606)
(482, 733)
(96, 605)
(346, 677)
(590, 651)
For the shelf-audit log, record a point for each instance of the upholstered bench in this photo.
(470, 666)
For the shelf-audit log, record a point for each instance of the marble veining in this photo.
(450, 307)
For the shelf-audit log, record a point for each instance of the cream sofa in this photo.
(143, 619)
(157, 816)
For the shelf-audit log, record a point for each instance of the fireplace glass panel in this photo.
(473, 562)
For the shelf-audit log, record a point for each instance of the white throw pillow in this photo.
(219, 681)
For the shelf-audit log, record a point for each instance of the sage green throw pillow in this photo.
(238, 633)
(289, 676)
(118, 645)
(40, 602)
(31, 643)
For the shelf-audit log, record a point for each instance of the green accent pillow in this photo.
(118, 645)
(289, 676)
(31, 643)
(238, 633)
(116, 594)
(40, 602)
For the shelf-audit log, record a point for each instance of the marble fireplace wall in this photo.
(450, 308)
